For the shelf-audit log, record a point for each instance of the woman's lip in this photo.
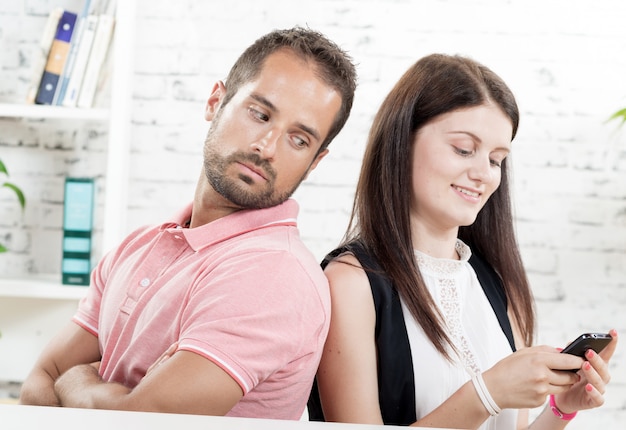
(466, 192)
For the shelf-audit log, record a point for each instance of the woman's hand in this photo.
(526, 377)
(594, 375)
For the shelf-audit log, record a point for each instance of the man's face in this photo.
(263, 143)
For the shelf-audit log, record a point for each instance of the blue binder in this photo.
(77, 228)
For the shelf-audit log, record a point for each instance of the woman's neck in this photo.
(436, 243)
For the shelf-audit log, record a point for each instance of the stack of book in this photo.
(71, 55)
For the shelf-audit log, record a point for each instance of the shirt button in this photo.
(144, 282)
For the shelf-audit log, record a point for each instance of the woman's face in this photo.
(457, 161)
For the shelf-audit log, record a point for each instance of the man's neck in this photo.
(204, 212)
(209, 205)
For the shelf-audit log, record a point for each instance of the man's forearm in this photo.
(38, 389)
(82, 387)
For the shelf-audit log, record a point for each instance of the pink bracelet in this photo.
(558, 413)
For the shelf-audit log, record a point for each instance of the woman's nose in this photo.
(482, 170)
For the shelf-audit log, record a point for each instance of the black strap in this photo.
(494, 290)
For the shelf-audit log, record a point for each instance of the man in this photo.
(229, 283)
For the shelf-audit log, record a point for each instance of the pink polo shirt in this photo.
(242, 291)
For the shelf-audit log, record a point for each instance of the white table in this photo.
(20, 417)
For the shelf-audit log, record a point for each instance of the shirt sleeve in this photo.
(88, 312)
(254, 314)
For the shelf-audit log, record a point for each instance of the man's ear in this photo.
(315, 162)
(215, 100)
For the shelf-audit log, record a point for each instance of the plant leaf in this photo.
(3, 168)
(619, 114)
(2, 248)
(18, 192)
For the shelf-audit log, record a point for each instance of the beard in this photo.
(237, 189)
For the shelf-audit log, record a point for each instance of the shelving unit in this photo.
(34, 308)
(14, 110)
(40, 287)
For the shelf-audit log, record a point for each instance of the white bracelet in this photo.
(484, 395)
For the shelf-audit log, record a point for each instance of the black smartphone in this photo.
(595, 341)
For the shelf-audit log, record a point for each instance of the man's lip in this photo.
(254, 168)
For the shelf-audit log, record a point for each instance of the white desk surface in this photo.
(20, 417)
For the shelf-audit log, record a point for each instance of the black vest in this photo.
(396, 385)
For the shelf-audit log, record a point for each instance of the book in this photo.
(41, 54)
(57, 57)
(74, 84)
(99, 49)
(77, 40)
(77, 227)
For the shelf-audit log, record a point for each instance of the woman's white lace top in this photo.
(473, 327)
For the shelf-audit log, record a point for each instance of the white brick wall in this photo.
(564, 59)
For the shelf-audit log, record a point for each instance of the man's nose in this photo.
(266, 145)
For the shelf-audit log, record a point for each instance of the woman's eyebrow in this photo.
(479, 140)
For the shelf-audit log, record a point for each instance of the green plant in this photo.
(619, 115)
(18, 192)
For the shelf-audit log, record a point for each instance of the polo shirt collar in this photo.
(235, 224)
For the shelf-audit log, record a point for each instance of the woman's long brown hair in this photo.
(380, 219)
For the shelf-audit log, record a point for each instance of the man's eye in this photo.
(258, 114)
(299, 142)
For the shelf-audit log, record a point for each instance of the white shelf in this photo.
(33, 309)
(41, 287)
(15, 110)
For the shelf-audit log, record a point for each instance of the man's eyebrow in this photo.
(264, 101)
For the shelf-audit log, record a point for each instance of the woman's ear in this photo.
(215, 100)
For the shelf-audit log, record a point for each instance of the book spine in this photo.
(78, 72)
(41, 54)
(77, 39)
(69, 64)
(57, 57)
(101, 42)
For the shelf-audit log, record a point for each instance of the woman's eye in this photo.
(463, 152)
(496, 163)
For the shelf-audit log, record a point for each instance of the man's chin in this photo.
(251, 196)
(255, 202)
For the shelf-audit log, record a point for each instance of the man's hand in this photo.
(163, 358)
(73, 387)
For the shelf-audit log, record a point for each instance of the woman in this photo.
(433, 315)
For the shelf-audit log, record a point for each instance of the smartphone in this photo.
(595, 341)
